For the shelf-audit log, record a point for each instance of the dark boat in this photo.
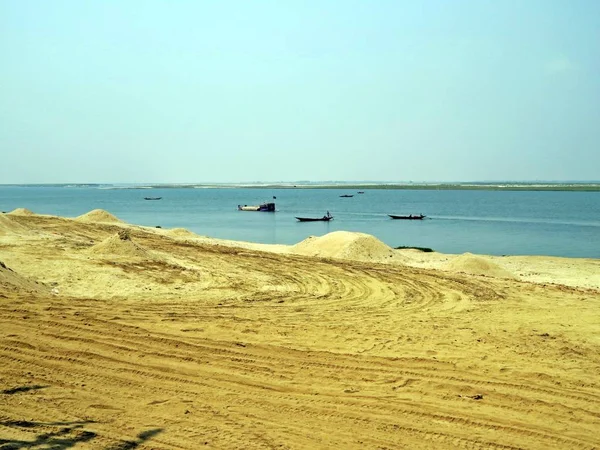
(152, 198)
(326, 218)
(361, 192)
(346, 195)
(409, 217)
(264, 207)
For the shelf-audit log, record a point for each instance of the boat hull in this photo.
(264, 207)
(311, 219)
(420, 217)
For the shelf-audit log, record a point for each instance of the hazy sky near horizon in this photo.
(231, 91)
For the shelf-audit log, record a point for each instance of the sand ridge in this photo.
(574, 272)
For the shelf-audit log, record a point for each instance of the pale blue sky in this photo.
(230, 91)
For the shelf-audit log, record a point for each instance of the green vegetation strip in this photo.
(413, 187)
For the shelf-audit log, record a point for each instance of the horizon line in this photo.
(300, 182)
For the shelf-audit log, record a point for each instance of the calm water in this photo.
(488, 222)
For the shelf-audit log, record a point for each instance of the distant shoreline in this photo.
(436, 187)
(472, 186)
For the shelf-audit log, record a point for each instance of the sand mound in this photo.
(120, 244)
(10, 281)
(345, 244)
(98, 215)
(476, 265)
(7, 225)
(180, 232)
(21, 212)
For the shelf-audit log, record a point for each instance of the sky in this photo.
(236, 91)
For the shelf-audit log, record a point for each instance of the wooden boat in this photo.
(264, 207)
(409, 217)
(346, 195)
(326, 218)
(152, 198)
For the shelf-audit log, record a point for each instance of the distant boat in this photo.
(152, 198)
(326, 218)
(409, 217)
(346, 195)
(361, 192)
(264, 207)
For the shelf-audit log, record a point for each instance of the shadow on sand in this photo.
(20, 389)
(68, 436)
(64, 435)
(142, 437)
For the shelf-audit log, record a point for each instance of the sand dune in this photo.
(7, 225)
(21, 212)
(345, 245)
(330, 343)
(98, 215)
(180, 232)
(476, 265)
(120, 244)
(12, 282)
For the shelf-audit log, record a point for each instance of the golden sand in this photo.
(98, 215)
(116, 336)
(21, 212)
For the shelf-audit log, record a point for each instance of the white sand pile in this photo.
(10, 281)
(7, 225)
(21, 212)
(98, 215)
(120, 244)
(346, 245)
(476, 265)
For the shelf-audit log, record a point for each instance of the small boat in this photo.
(361, 192)
(409, 217)
(152, 198)
(264, 207)
(326, 218)
(346, 195)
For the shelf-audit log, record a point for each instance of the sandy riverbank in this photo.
(119, 336)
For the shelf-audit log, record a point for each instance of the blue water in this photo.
(486, 222)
